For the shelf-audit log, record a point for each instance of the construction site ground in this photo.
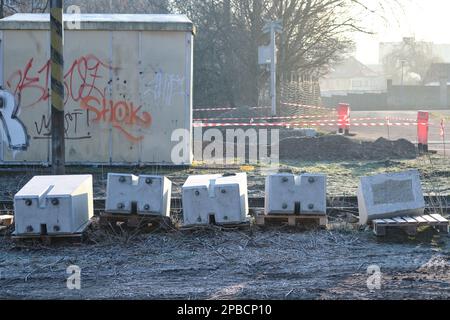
(253, 263)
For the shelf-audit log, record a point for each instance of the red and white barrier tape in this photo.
(301, 117)
(398, 119)
(264, 118)
(303, 124)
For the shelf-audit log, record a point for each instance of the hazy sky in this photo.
(425, 19)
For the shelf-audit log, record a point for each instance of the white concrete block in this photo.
(222, 198)
(290, 194)
(144, 195)
(390, 195)
(54, 205)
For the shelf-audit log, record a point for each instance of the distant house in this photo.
(352, 76)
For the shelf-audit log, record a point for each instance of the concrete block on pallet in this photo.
(390, 195)
(290, 194)
(143, 195)
(52, 205)
(222, 199)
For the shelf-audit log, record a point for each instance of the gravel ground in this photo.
(215, 264)
(249, 264)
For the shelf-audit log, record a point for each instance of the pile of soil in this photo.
(341, 148)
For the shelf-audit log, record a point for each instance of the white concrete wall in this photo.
(126, 92)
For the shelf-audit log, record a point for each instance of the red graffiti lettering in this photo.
(122, 115)
(24, 80)
(80, 81)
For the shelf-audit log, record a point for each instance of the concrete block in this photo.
(390, 195)
(290, 194)
(218, 198)
(52, 205)
(144, 195)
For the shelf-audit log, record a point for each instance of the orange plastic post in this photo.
(423, 119)
(343, 110)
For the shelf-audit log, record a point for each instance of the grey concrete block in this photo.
(54, 205)
(215, 197)
(290, 194)
(146, 195)
(390, 195)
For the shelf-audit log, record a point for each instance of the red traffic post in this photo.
(343, 111)
(423, 122)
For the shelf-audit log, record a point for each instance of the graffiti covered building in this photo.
(128, 88)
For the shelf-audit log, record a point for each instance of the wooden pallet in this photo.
(229, 226)
(135, 221)
(6, 220)
(318, 221)
(410, 224)
(72, 238)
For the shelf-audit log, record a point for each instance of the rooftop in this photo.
(351, 68)
(126, 22)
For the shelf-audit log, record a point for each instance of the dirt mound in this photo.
(340, 148)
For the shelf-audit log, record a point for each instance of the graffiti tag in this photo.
(15, 131)
(121, 114)
(81, 80)
(164, 87)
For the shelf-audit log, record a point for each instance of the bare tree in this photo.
(316, 33)
(409, 61)
(226, 71)
(121, 6)
(8, 7)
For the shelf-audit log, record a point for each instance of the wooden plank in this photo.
(420, 220)
(411, 230)
(389, 221)
(439, 218)
(323, 221)
(400, 220)
(260, 220)
(6, 220)
(409, 220)
(430, 219)
(292, 221)
(379, 229)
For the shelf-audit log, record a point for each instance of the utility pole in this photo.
(273, 27)
(57, 86)
(273, 70)
(228, 53)
(403, 62)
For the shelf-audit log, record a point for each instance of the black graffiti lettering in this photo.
(71, 126)
(44, 125)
